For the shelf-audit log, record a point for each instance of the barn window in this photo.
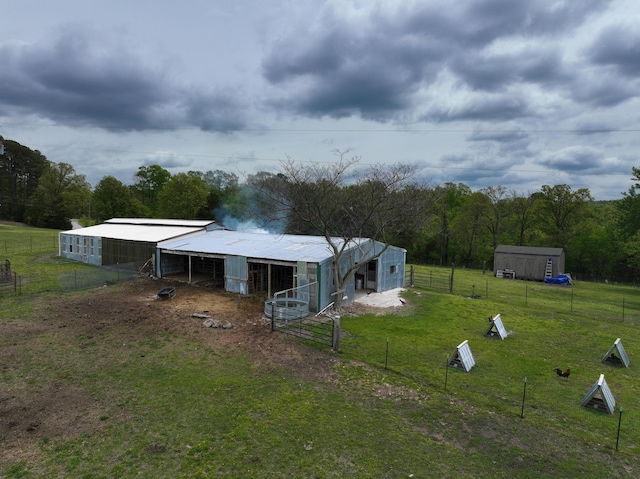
(393, 269)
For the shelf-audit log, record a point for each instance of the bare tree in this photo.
(344, 204)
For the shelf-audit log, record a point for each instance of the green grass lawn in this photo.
(170, 408)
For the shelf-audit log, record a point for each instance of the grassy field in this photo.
(384, 407)
(36, 267)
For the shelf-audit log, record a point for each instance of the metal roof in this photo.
(528, 250)
(131, 232)
(160, 222)
(313, 249)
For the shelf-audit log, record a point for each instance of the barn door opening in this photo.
(372, 275)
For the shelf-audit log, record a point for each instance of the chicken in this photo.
(561, 373)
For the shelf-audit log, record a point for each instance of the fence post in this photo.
(411, 280)
(453, 267)
(524, 393)
(336, 334)
(619, 422)
(386, 355)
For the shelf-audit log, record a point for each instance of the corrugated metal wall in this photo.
(86, 249)
(391, 269)
(236, 274)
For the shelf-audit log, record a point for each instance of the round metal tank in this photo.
(286, 308)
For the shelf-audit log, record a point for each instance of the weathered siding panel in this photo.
(528, 262)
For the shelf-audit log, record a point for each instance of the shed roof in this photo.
(533, 250)
(313, 249)
(132, 232)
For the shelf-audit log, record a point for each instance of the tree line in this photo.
(441, 224)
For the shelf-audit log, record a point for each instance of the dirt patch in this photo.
(46, 408)
(54, 412)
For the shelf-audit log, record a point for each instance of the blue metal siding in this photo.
(325, 281)
(391, 269)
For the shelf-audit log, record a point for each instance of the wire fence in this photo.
(31, 265)
(10, 244)
(597, 301)
(74, 279)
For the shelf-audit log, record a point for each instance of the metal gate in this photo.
(289, 313)
(428, 279)
(312, 328)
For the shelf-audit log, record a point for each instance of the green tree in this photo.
(627, 223)
(61, 194)
(112, 199)
(148, 182)
(20, 170)
(593, 251)
(468, 225)
(522, 216)
(450, 197)
(495, 212)
(223, 193)
(184, 196)
(559, 209)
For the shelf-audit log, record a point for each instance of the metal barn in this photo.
(531, 263)
(127, 242)
(248, 263)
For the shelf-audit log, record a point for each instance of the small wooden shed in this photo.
(529, 262)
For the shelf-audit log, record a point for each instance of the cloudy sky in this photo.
(484, 92)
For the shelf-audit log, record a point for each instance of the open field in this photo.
(111, 382)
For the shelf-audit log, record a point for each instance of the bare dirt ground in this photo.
(45, 408)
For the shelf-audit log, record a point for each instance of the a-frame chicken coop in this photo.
(616, 355)
(605, 402)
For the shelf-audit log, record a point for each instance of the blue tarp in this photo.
(560, 279)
